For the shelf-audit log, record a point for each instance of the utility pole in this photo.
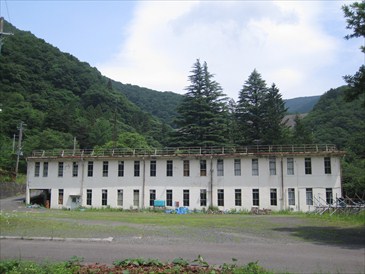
(19, 149)
(2, 33)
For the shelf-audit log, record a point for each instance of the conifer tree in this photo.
(274, 113)
(202, 115)
(250, 112)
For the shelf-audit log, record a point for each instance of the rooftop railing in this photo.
(245, 150)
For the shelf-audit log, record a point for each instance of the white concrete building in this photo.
(266, 177)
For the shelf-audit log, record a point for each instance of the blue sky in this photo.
(298, 45)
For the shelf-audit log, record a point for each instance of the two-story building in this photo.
(270, 177)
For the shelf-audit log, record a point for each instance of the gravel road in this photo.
(277, 250)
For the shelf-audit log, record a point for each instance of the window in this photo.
(153, 168)
(308, 165)
(75, 169)
(120, 168)
(220, 197)
(203, 167)
(60, 169)
(60, 196)
(327, 165)
(105, 168)
(273, 197)
(89, 195)
(136, 197)
(203, 197)
(152, 196)
(45, 169)
(220, 167)
(37, 169)
(255, 197)
(237, 167)
(290, 166)
(186, 168)
(136, 168)
(186, 197)
(291, 196)
(104, 197)
(120, 197)
(169, 197)
(90, 169)
(272, 165)
(237, 197)
(329, 196)
(255, 167)
(309, 196)
(169, 168)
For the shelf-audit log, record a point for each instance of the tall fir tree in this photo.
(202, 115)
(249, 111)
(274, 112)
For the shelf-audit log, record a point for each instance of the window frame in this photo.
(120, 168)
(273, 197)
(238, 197)
(309, 196)
(61, 193)
(203, 197)
(169, 168)
(60, 169)
(137, 168)
(272, 166)
(104, 197)
(220, 197)
(169, 197)
(203, 167)
(237, 167)
(90, 169)
(89, 196)
(152, 197)
(105, 168)
(327, 165)
(37, 169)
(290, 166)
(307, 166)
(75, 169)
(256, 197)
(255, 167)
(186, 197)
(291, 196)
(153, 168)
(220, 167)
(45, 169)
(186, 168)
(120, 197)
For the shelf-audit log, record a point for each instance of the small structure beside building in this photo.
(264, 177)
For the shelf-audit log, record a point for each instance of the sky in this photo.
(298, 45)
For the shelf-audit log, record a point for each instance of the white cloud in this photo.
(285, 41)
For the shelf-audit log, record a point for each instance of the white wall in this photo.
(318, 181)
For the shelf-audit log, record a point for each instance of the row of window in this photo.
(186, 167)
(203, 197)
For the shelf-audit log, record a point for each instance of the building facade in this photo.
(265, 177)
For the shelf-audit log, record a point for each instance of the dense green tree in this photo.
(129, 140)
(355, 18)
(301, 134)
(249, 109)
(202, 114)
(335, 121)
(273, 119)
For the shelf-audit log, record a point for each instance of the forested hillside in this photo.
(59, 98)
(162, 105)
(333, 120)
(301, 104)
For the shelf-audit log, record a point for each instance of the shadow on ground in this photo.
(351, 238)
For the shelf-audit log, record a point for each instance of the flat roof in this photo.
(255, 150)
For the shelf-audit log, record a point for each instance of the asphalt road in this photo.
(295, 258)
